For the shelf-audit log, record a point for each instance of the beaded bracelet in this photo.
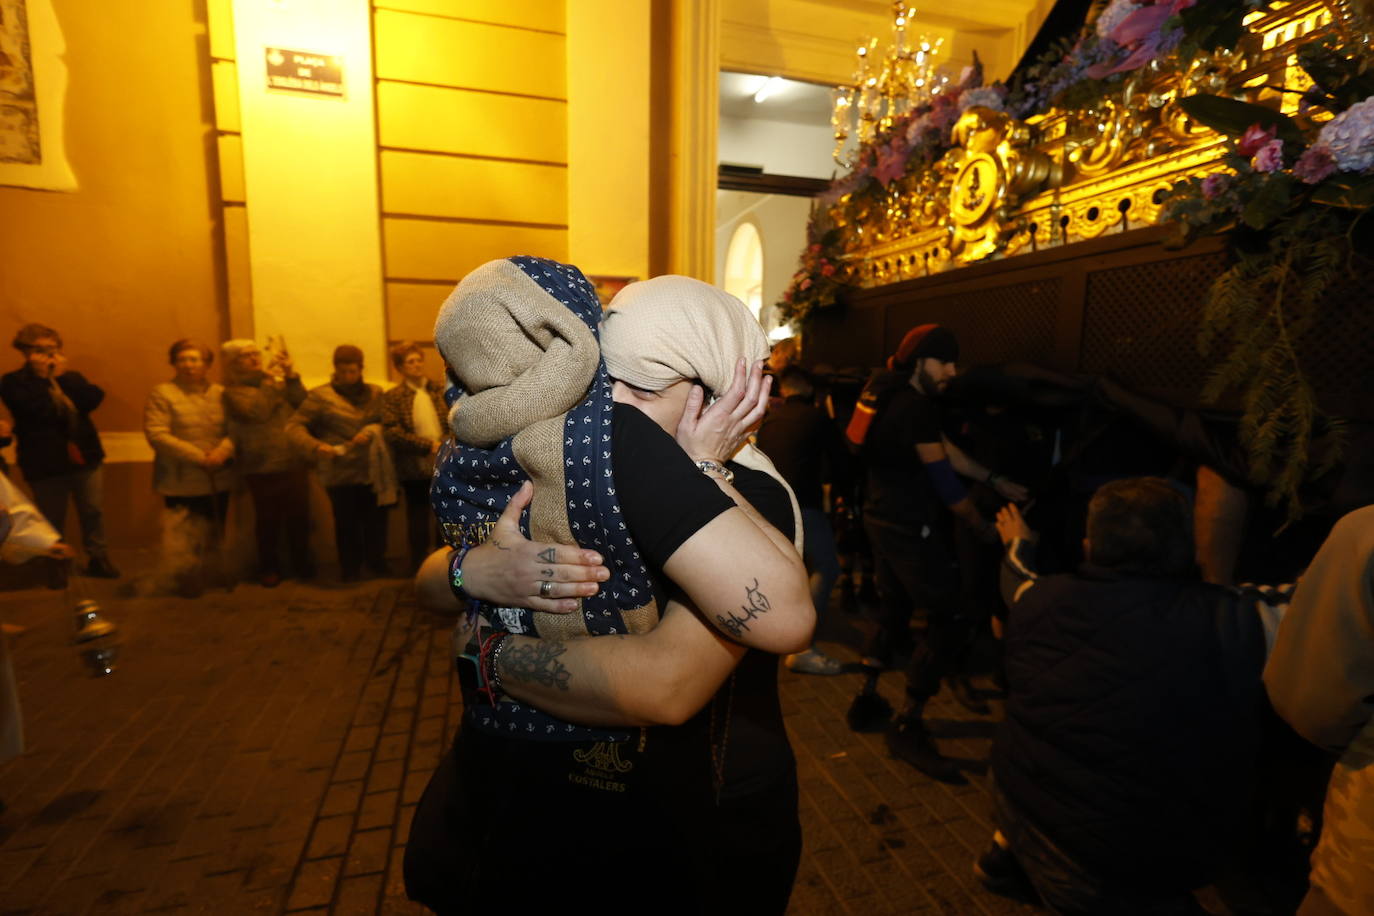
(455, 572)
(486, 665)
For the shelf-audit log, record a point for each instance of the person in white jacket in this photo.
(24, 534)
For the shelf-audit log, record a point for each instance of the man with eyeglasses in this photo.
(59, 449)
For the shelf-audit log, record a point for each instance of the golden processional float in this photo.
(1203, 113)
(1011, 186)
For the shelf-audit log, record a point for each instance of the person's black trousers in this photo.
(359, 529)
(421, 527)
(916, 567)
(281, 507)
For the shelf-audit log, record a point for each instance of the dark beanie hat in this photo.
(925, 341)
(347, 353)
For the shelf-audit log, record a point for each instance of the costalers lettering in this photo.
(469, 534)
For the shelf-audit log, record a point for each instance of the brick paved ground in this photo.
(264, 751)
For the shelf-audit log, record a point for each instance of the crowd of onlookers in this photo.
(370, 450)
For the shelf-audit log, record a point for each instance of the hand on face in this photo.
(45, 357)
(717, 431)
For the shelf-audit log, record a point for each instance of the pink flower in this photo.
(827, 269)
(1254, 139)
(1270, 157)
(815, 248)
(892, 161)
(1315, 165)
(1214, 185)
(1141, 33)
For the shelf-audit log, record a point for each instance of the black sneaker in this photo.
(1002, 874)
(101, 568)
(966, 695)
(908, 740)
(868, 713)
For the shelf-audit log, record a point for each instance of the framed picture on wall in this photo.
(33, 86)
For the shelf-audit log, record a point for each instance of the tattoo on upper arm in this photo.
(546, 554)
(755, 604)
(536, 663)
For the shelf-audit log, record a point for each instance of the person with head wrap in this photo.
(258, 402)
(336, 424)
(183, 421)
(914, 493)
(679, 796)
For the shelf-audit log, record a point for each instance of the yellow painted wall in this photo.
(608, 136)
(473, 145)
(129, 261)
(310, 184)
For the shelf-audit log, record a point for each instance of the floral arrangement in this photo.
(818, 280)
(1292, 197)
(1293, 193)
(1128, 35)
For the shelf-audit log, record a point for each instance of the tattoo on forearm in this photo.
(536, 663)
(755, 604)
(546, 554)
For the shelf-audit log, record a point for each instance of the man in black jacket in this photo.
(59, 449)
(1125, 765)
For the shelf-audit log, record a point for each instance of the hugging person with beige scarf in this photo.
(728, 579)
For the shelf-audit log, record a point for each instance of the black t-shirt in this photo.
(899, 489)
(664, 496)
(666, 500)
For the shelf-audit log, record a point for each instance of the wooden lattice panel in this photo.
(1140, 323)
(1001, 324)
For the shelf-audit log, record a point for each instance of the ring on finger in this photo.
(545, 589)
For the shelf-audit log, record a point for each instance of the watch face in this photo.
(977, 188)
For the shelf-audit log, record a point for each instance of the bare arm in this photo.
(971, 469)
(659, 678)
(932, 453)
(746, 578)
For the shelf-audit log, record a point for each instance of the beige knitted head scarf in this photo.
(658, 332)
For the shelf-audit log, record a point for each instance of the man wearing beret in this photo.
(914, 496)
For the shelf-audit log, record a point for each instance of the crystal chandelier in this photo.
(886, 89)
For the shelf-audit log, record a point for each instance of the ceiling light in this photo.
(768, 88)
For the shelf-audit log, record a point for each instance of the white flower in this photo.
(1350, 137)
